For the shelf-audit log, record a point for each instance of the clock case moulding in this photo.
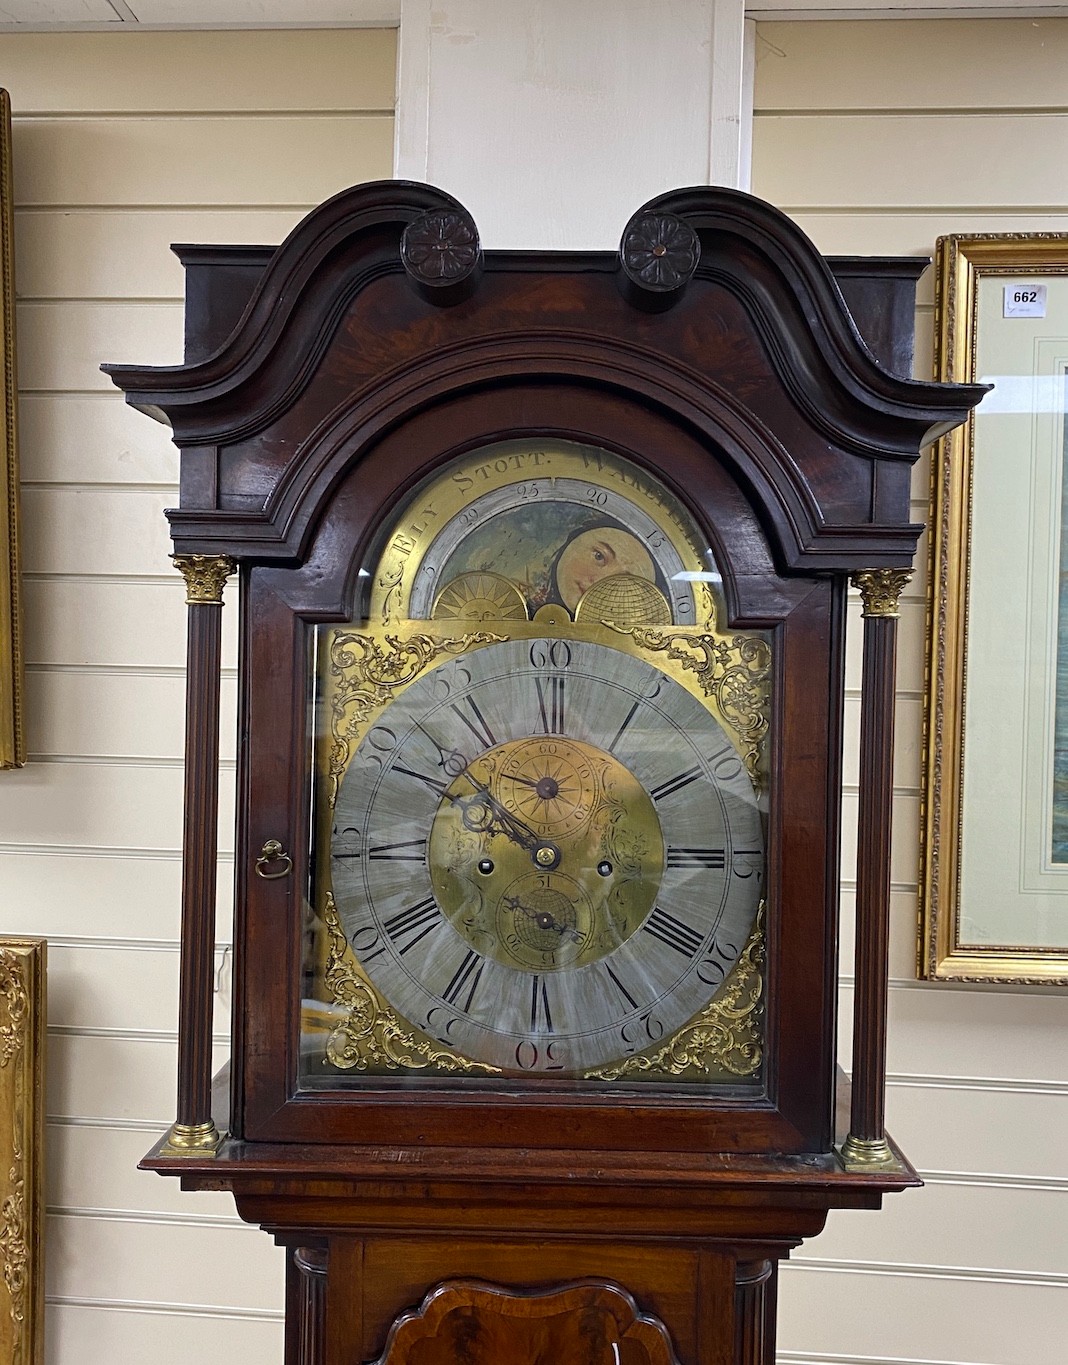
(323, 380)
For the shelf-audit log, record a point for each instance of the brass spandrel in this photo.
(368, 670)
(733, 671)
(371, 1037)
(723, 1041)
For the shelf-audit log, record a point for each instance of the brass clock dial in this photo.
(541, 845)
(547, 855)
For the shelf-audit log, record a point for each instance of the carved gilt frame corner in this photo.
(973, 273)
(22, 1039)
(12, 744)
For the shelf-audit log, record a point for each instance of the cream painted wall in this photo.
(124, 144)
(877, 138)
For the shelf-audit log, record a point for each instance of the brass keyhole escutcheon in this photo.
(272, 853)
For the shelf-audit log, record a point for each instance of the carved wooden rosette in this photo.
(470, 1323)
(880, 590)
(194, 1133)
(658, 255)
(441, 255)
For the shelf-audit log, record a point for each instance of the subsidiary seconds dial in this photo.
(547, 855)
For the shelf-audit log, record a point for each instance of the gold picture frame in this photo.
(12, 742)
(22, 1034)
(994, 811)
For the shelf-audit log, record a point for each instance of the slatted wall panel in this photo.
(878, 137)
(123, 144)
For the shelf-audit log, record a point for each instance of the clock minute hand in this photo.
(510, 825)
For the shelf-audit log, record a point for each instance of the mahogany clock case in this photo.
(345, 383)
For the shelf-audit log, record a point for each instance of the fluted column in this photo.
(194, 1133)
(880, 590)
(754, 1312)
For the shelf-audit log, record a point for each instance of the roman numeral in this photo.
(476, 723)
(541, 1021)
(626, 721)
(432, 782)
(673, 932)
(697, 857)
(410, 851)
(419, 920)
(551, 704)
(468, 974)
(626, 995)
(675, 784)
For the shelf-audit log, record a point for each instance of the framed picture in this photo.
(994, 873)
(22, 1030)
(12, 752)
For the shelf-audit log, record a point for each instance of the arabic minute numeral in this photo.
(716, 962)
(367, 943)
(725, 764)
(340, 853)
(753, 868)
(642, 1032)
(529, 1057)
(550, 654)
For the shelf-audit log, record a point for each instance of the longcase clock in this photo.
(543, 563)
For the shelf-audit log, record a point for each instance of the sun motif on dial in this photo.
(480, 597)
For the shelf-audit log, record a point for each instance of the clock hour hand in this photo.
(508, 824)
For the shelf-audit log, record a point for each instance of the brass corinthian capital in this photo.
(880, 589)
(205, 576)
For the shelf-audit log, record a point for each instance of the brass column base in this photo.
(867, 1154)
(192, 1139)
